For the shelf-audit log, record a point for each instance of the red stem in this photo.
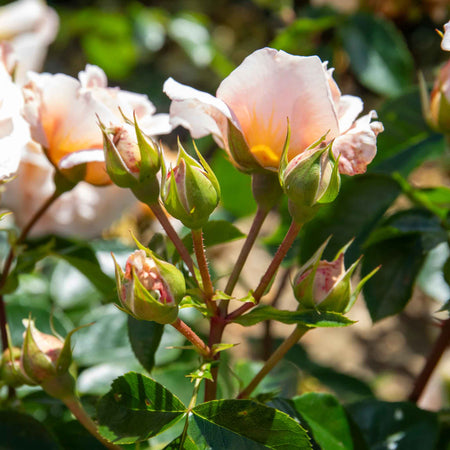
(173, 236)
(199, 249)
(192, 337)
(271, 270)
(432, 361)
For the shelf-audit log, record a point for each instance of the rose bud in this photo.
(10, 372)
(132, 160)
(326, 285)
(309, 180)
(438, 111)
(150, 289)
(46, 360)
(191, 191)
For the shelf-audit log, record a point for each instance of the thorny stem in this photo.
(432, 361)
(273, 360)
(267, 339)
(271, 270)
(10, 258)
(217, 325)
(192, 337)
(173, 236)
(78, 411)
(199, 249)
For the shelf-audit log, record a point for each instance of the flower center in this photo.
(265, 155)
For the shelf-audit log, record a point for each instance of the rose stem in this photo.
(271, 270)
(10, 258)
(258, 220)
(173, 236)
(279, 353)
(199, 249)
(267, 339)
(192, 337)
(432, 361)
(78, 411)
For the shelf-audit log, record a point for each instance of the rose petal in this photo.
(348, 108)
(445, 44)
(270, 87)
(357, 147)
(327, 275)
(81, 157)
(197, 111)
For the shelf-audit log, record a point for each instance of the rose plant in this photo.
(75, 153)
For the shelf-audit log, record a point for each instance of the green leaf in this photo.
(236, 424)
(407, 140)
(361, 203)
(308, 319)
(347, 387)
(390, 289)
(78, 254)
(410, 222)
(137, 408)
(377, 53)
(231, 182)
(23, 432)
(402, 426)
(300, 37)
(326, 418)
(144, 339)
(215, 232)
(188, 444)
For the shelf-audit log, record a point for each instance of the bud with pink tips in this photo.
(150, 288)
(326, 285)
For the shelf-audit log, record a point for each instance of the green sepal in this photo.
(284, 156)
(65, 357)
(334, 184)
(34, 361)
(339, 297)
(150, 154)
(173, 277)
(356, 292)
(146, 307)
(115, 165)
(240, 152)
(201, 191)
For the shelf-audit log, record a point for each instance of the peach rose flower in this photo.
(256, 101)
(62, 112)
(30, 26)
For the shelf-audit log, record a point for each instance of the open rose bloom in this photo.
(255, 103)
(30, 26)
(62, 112)
(14, 131)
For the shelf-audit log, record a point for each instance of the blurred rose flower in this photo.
(85, 211)
(14, 131)
(30, 26)
(62, 114)
(445, 44)
(259, 97)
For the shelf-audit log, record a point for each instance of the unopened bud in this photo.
(150, 289)
(191, 191)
